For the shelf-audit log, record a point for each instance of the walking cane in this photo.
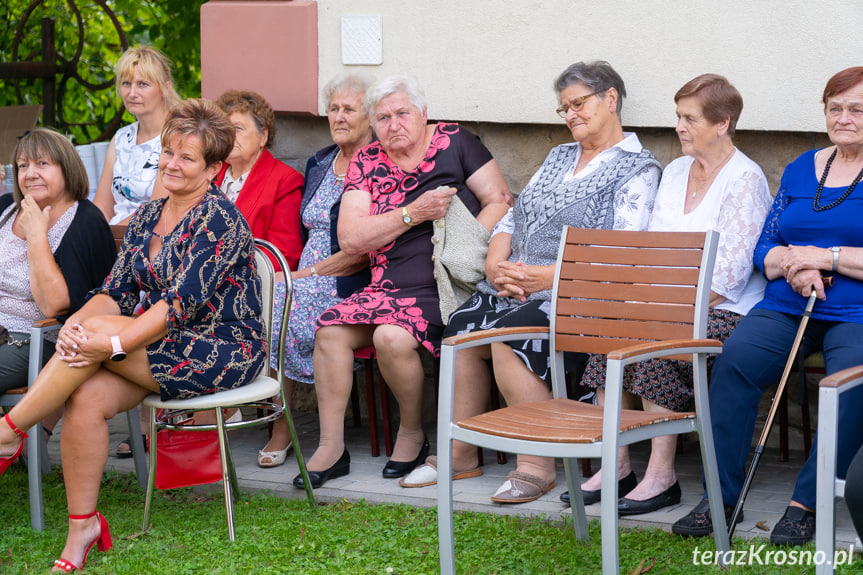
(759, 449)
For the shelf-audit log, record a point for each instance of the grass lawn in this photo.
(282, 536)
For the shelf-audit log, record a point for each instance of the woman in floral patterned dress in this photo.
(394, 189)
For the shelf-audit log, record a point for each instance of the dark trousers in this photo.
(854, 491)
(752, 360)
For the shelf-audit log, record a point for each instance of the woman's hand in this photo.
(32, 220)
(81, 348)
(803, 281)
(431, 205)
(519, 281)
(799, 258)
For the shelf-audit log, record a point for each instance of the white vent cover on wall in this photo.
(362, 40)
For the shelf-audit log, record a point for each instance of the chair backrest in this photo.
(119, 232)
(617, 288)
(264, 251)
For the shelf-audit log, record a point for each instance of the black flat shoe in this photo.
(670, 496)
(396, 469)
(317, 478)
(625, 485)
(698, 523)
(797, 527)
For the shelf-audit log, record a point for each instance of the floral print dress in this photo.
(311, 295)
(403, 291)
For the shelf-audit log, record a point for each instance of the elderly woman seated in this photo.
(394, 189)
(325, 274)
(266, 190)
(813, 228)
(713, 186)
(57, 246)
(605, 179)
(191, 254)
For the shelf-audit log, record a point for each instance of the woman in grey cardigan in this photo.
(604, 179)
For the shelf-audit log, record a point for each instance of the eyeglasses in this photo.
(576, 104)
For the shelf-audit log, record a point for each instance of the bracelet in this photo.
(835, 250)
(313, 271)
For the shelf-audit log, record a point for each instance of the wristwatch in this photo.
(117, 353)
(836, 250)
(406, 217)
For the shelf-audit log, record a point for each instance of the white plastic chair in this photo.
(257, 393)
(828, 487)
(633, 296)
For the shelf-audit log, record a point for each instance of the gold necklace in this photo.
(710, 175)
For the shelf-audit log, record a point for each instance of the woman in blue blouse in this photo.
(191, 254)
(813, 229)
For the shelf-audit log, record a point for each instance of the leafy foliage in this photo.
(89, 103)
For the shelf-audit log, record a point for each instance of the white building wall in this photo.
(495, 60)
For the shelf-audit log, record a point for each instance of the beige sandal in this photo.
(426, 474)
(521, 487)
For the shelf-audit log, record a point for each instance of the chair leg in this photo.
(228, 478)
(825, 483)
(36, 446)
(579, 516)
(368, 367)
(585, 467)
(446, 537)
(151, 477)
(301, 462)
(138, 449)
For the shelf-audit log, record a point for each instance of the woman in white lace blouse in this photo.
(713, 186)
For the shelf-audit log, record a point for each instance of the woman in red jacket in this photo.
(267, 191)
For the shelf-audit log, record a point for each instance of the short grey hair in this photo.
(598, 76)
(393, 84)
(346, 82)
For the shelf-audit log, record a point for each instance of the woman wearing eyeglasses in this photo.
(604, 179)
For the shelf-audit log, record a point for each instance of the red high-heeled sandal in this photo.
(103, 539)
(5, 462)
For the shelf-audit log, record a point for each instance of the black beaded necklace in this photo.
(816, 203)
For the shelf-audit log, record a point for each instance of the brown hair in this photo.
(47, 143)
(718, 98)
(153, 66)
(204, 119)
(841, 82)
(253, 104)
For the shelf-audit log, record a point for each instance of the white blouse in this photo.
(735, 205)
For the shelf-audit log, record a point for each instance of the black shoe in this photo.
(797, 527)
(625, 485)
(698, 523)
(317, 478)
(396, 469)
(670, 496)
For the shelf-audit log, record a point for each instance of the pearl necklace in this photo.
(339, 177)
(816, 203)
(710, 175)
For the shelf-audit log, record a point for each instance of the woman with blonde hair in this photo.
(143, 82)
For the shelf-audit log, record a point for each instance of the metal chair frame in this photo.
(828, 487)
(258, 393)
(669, 303)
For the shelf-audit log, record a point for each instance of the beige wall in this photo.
(494, 60)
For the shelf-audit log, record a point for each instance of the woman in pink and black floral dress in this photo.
(395, 188)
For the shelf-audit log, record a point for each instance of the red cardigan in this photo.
(270, 200)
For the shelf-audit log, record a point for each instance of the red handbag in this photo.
(186, 458)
